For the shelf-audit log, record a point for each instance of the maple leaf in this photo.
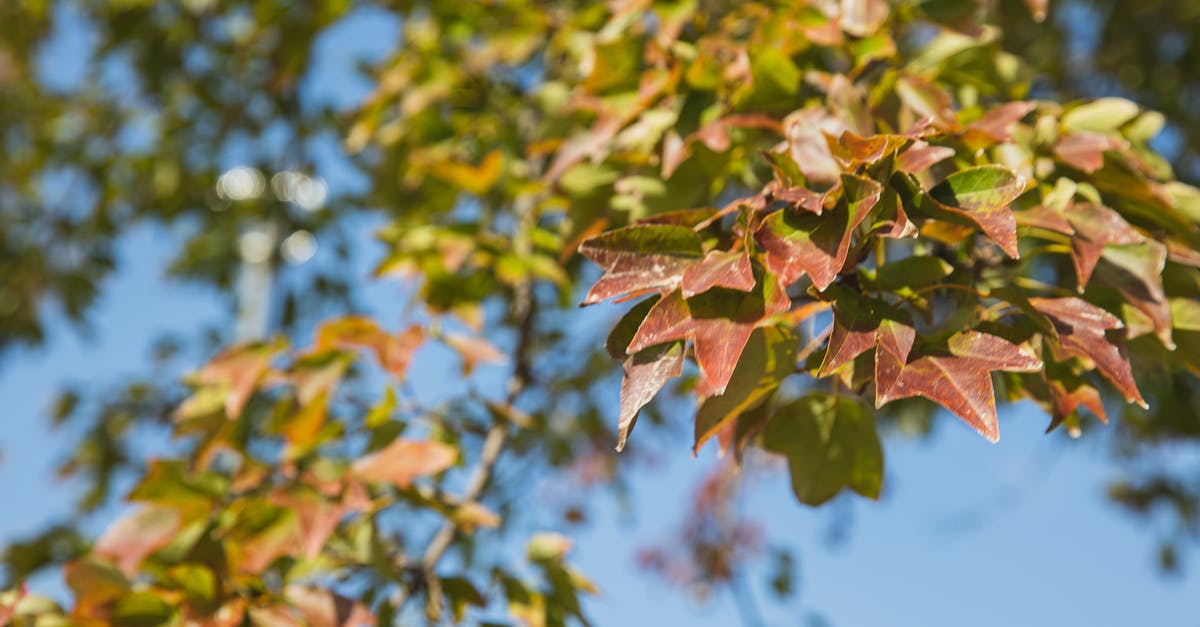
(1094, 227)
(769, 357)
(718, 323)
(982, 195)
(636, 258)
(996, 124)
(817, 245)
(404, 460)
(959, 377)
(1084, 330)
(645, 373)
(860, 324)
(718, 269)
(1066, 394)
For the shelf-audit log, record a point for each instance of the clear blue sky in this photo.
(1045, 549)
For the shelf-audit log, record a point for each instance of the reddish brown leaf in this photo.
(1045, 217)
(859, 325)
(1084, 150)
(982, 195)
(394, 352)
(893, 341)
(646, 372)
(718, 322)
(132, 538)
(1096, 226)
(796, 245)
(719, 269)
(404, 460)
(851, 149)
(637, 258)
(674, 152)
(241, 368)
(959, 377)
(997, 123)
(1065, 401)
(1084, 330)
(920, 156)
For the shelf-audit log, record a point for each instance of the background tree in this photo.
(896, 174)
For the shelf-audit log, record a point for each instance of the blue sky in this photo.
(968, 533)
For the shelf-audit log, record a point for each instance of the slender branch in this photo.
(524, 311)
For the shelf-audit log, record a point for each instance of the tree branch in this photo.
(524, 311)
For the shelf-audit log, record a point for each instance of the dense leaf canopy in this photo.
(835, 217)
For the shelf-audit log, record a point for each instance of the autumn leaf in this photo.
(860, 324)
(404, 460)
(1084, 150)
(768, 358)
(718, 323)
(958, 377)
(817, 245)
(240, 369)
(638, 258)
(921, 156)
(1086, 331)
(1094, 227)
(996, 124)
(95, 584)
(982, 195)
(645, 373)
(719, 269)
(394, 352)
(135, 536)
(830, 443)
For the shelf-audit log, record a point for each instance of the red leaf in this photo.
(1082, 331)
(404, 460)
(796, 245)
(959, 377)
(637, 258)
(997, 123)
(859, 325)
(1064, 401)
(1096, 226)
(394, 352)
(135, 536)
(646, 372)
(1084, 150)
(718, 322)
(719, 269)
(920, 156)
(241, 368)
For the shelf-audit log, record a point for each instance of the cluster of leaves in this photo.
(952, 232)
(880, 169)
(285, 496)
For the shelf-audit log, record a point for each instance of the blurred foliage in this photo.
(305, 482)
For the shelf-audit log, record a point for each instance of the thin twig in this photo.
(524, 310)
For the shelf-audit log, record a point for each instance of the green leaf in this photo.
(830, 443)
(912, 273)
(1105, 114)
(982, 195)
